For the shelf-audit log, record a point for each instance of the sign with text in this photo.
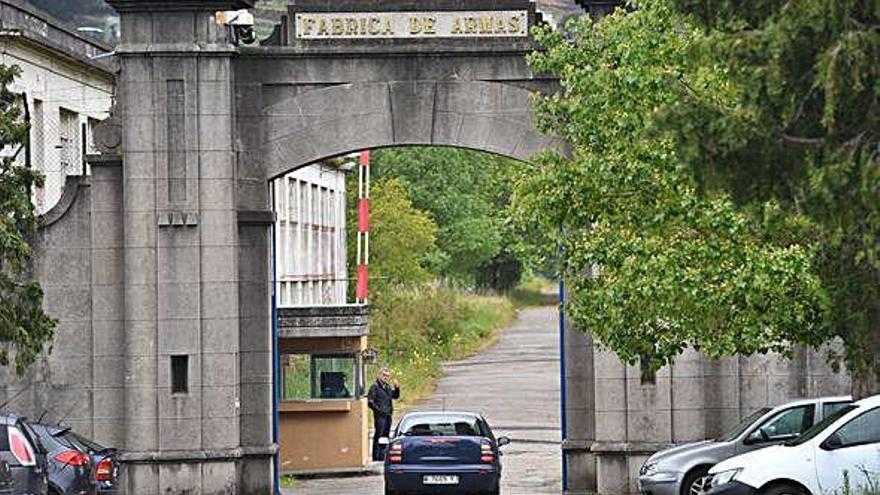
(410, 25)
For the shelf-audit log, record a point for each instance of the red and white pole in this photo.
(363, 244)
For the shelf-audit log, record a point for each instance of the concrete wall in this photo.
(694, 399)
(77, 258)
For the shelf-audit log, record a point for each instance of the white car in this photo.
(839, 455)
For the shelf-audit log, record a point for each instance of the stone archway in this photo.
(485, 116)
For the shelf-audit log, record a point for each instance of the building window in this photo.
(38, 143)
(320, 376)
(179, 374)
(68, 143)
(91, 147)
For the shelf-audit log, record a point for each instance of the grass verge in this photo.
(416, 329)
(535, 291)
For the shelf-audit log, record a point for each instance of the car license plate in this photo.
(440, 479)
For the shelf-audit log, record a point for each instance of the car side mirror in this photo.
(832, 442)
(753, 438)
(502, 441)
(384, 441)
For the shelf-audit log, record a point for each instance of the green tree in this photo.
(401, 236)
(724, 187)
(24, 327)
(467, 193)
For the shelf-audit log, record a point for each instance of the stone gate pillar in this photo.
(182, 358)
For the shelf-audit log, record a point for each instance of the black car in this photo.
(24, 454)
(70, 469)
(443, 453)
(6, 482)
(103, 458)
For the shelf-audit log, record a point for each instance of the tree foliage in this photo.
(401, 236)
(724, 187)
(467, 193)
(24, 327)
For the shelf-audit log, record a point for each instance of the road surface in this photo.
(515, 384)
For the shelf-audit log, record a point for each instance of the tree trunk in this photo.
(866, 381)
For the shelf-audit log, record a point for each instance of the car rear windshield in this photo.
(85, 444)
(743, 425)
(46, 437)
(820, 426)
(441, 426)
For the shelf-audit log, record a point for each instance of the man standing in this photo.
(380, 398)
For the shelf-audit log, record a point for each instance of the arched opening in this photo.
(526, 358)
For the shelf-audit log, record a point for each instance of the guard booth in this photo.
(323, 406)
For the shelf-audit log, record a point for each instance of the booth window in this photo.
(319, 376)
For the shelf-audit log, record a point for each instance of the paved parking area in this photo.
(515, 384)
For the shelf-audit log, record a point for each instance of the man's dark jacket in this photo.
(380, 398)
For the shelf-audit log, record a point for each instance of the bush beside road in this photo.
(416, 329)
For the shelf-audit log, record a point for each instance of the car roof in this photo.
(798, 402)
(871, 401)
(442, 413)
(10, 418)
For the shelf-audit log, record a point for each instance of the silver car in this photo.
(683, 470)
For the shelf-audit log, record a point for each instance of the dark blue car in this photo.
(443, 452)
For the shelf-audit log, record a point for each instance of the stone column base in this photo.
(245, 471)
(618, 464)
(581, 466)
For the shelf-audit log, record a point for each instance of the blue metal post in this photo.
(563, 399)
(276, 362)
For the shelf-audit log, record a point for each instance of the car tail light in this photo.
(486, 453)
(21, 448)
(395, 453)
(104, 471)
(72, 458)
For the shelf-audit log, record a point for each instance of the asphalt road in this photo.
(515, 384)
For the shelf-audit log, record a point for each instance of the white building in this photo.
(310, 240)
(68, 83)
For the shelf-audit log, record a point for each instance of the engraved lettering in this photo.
(485, 24)
(412, 24)
(470, 25)
(308, 25)
(430, 25)
(456, 25)
(375, 26)
(338, 27)
(500, 25)
(351, 26)
(415, 25)
(515, 26)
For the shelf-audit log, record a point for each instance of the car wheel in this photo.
(695, 481)
(783, 489)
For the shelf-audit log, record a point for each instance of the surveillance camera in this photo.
(235, 18)
(245, 34)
